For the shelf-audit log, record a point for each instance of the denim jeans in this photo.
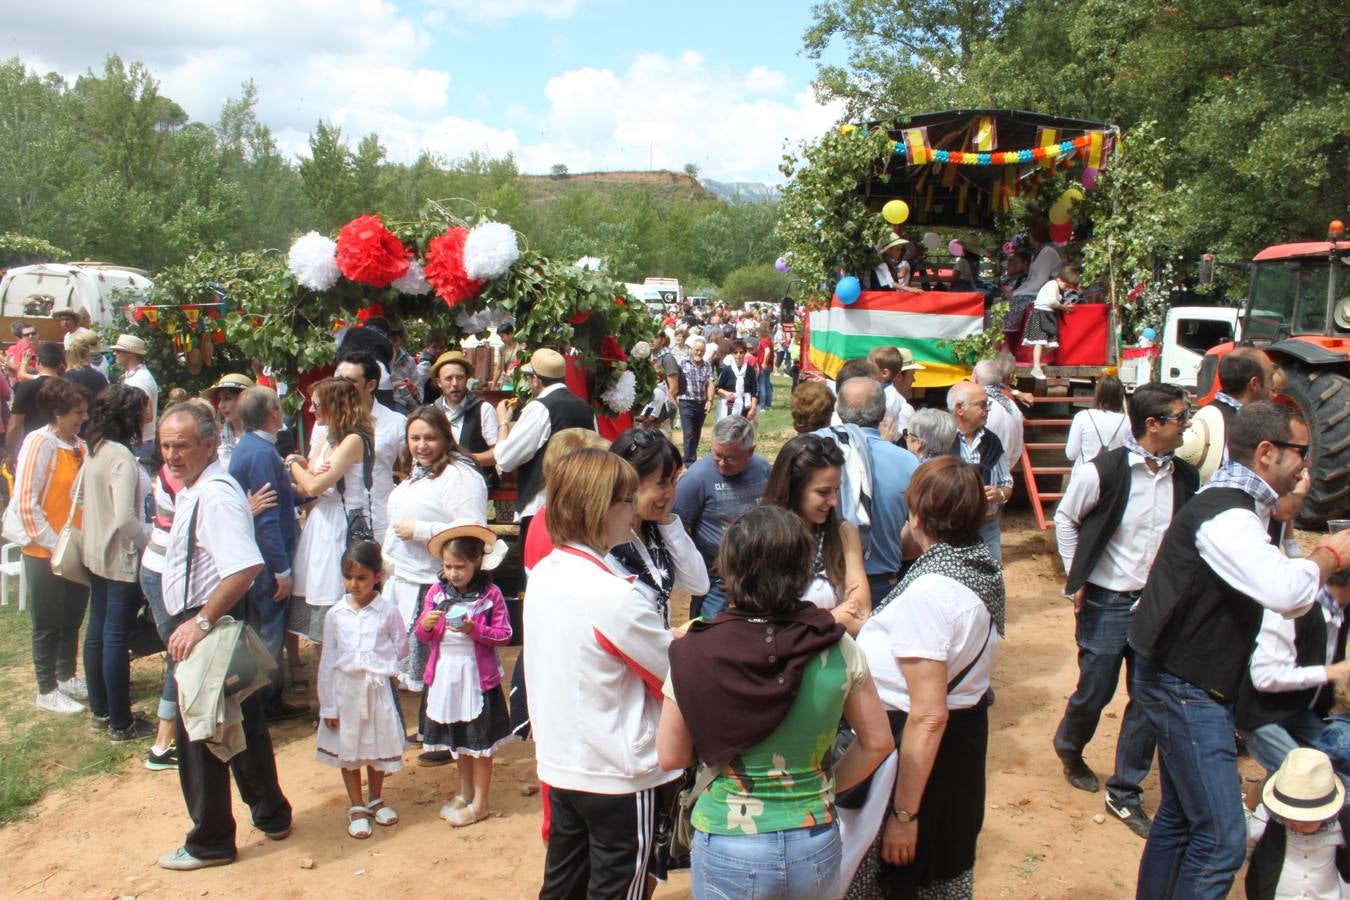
(107, 663)
(710, 604)
(151, 585)
(1270, 744)
(268, 618)
(801, 863)
(1198, 840)
(765, 389)
(1102, 625)
(991, 533)
(692, 414)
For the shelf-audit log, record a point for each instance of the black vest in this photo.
(1100, 525)
(565, 410)
(990, 451)
(1263, 872)
(1256, 708)
(471, 438)
(1189, 621)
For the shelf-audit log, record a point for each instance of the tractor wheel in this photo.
(1323, 395)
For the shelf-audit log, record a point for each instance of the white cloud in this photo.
(481, 10)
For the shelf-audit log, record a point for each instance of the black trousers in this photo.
(599, 845)
(205, 782)
(57, 606)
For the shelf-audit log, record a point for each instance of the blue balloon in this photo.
(847, 290)
(1150, 334)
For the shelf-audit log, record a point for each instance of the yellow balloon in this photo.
(895, 211)
(1059, 214)
(1071, 195)
(847, 129)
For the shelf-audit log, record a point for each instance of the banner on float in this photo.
(917, 322)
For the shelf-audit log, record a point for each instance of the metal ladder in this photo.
(1053, 437)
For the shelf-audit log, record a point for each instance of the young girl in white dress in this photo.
(463, 621)
(360, 726)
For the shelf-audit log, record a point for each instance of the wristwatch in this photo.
(203, 623)
(903, 816)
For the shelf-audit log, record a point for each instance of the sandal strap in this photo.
(358, 812)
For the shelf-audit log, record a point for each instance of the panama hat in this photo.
(1305, 788)
(889, 241)
(907, 361)
(129, 343)
(230, 382)
(546, 363)
(494, 549)
(447, 357)
(64, 310)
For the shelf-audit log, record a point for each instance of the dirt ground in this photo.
(101, 837)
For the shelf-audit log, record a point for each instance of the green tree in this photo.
(328, 177)
(754, 283)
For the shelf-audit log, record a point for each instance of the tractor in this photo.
(1298, 311)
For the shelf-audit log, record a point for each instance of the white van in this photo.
(99, 289)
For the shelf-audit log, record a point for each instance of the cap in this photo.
(546, 363)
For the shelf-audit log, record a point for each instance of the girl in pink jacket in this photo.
(463, 621)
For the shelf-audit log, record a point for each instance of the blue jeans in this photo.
(151, 584)
(765, 389)
(1102, 625)
(710, 604)
(1270, 744)
(268, 618)
(107, 663)
(1198, 840)
(991, 533)
(801, 863)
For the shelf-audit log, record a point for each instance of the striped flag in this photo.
(917, 148)
(918, 322)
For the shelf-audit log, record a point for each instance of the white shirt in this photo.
(1236, 545)
(526, 438)
(1095, 431)
(390, 436)
(458, 493)
(1309, 860)
(1129, 553)
(1007, 427)
(936, 618)
(1274, 666)
(367, 640)
(225, 543)
(141, 379)
(487, 419)
(1048, 295)
(898, 408)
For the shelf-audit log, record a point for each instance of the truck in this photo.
(1298, 311)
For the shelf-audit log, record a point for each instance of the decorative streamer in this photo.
(918, 151)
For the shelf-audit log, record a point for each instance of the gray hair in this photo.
(988, 372)
(254, 406)
(736, 430)
(203, 419)
(935, 429)
(954, 393)
(861, 402)
(697, 342)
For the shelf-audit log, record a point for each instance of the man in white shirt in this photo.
(129, 351)
(208, 568)
(1109, 526)
(362, 370)
(477, 436)
(1005, 418)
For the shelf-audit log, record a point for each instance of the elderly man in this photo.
(520, 447)
(1193, 635)
(716, 491)
(977, 445)
(363, 371)
(256, 465)
(1005, 419)
(1109, 526)
(473, 422)
(129, 352)
(862, 403)
(208, 568)
(224, 396)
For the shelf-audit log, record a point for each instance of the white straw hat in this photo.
(1305, 788)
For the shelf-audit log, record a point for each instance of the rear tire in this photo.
(1323, 395)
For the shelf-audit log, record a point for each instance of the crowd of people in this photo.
(818, 728)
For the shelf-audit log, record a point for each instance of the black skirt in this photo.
(482, 736)
(1042, 328)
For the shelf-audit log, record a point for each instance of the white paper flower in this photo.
(498, 317)
(313, 261)
(641, 350)
(412, 282)
(472, 324)
(490, 250)
(621, 394)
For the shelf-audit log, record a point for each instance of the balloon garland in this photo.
(1079, 144)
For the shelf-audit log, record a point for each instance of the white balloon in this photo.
(931, 240)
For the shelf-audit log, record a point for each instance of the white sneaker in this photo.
(1038, 374)
(57, 702)
(74, 688)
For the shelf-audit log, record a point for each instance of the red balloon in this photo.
(1061, 234)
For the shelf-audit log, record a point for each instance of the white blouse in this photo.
(1095, 431)
(370, 640)
(457, 494)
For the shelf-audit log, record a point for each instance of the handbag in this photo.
(68, 557)
(360, 521)
(682, 830)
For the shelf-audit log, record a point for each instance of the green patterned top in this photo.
(780, 784)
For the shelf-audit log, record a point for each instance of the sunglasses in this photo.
(1180, 418)
(1300, 449)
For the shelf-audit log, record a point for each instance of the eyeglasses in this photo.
(1180, 418)
(30, 334)
(1300, 449)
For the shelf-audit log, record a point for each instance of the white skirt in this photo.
(454, 694)
(369, 731)
(318, 556)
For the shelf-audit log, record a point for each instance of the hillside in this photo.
(662, 185)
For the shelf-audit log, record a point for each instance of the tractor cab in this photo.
(1299, 291)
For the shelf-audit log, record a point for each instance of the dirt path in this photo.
(102, 837)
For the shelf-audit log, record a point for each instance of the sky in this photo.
(591, 84)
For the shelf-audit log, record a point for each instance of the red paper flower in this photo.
(444, 269)
(369, 253)
(618, 301)
(369, 312)
(611, 349)
(579, 318)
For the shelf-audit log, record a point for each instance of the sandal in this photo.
(358, 822)
(454, 803)
(464, 815)
(384, 813)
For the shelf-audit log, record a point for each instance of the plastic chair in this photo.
(11, 565)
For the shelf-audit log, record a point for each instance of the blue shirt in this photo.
(892, 468)
(708, 502)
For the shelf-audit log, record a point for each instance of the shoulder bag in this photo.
(68, 557)
(360, 522)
